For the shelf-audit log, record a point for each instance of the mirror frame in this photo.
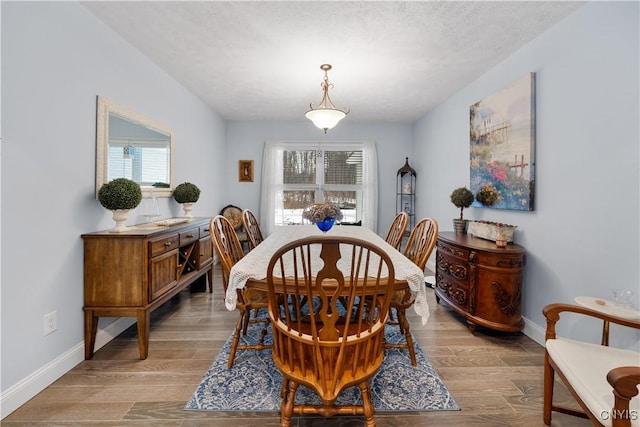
(104, 109)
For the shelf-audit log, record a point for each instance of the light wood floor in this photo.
(495, 378)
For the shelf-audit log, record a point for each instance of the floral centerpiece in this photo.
(322, 211)
(322, 214)
(487, 195)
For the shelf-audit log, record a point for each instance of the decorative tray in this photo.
(489, 230)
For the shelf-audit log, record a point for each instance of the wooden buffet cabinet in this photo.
(481, 281)
(132, 273)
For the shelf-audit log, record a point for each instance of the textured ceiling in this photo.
(392, 61)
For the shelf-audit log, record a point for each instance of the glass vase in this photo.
(326, 224)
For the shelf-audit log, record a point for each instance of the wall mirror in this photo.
(129, 145)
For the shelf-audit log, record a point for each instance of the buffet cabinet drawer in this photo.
(189, 236)
(454, 251)
(164, 244)
(453, 290)
(453, 267)
(204, 230)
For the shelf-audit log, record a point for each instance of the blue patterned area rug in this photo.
(253, 383)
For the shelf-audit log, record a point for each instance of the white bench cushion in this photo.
(586, 365)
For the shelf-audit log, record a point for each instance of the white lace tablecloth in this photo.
(254, 265)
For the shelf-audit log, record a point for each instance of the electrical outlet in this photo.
(50, 322)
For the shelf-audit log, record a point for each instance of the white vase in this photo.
(120, 217)
(187, 207)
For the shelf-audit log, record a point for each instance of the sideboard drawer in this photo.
(452, 250)
(455, 291)
(452, 266)
(189, 236)
(204, 230)
(165, 244)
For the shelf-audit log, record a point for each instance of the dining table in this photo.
(251, 270)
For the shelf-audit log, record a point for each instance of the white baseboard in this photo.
(533, 331)
(18, 394)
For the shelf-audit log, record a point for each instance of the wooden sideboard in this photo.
(132, 273)
(480, 281)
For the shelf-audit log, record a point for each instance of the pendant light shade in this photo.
(326, 115)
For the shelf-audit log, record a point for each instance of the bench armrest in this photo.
(552, 314)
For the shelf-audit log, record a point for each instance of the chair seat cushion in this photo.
(586, 365)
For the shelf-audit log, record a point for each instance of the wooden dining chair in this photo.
(317, 342)
(252, 227)
(234, 215)
(397, 229)
(229, 252)
(421, 242)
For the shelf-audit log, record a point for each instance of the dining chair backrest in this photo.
(252, 228)
(397, 229)
(227, 245)
(328, 322)
(421, 242)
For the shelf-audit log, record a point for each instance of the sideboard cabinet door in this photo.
(164, 274)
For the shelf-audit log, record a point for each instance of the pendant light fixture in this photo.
(326, 115)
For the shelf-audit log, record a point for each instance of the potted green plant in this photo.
(119, 196)
(186, 194)
(462, 198)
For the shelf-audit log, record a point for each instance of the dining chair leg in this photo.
(236, 339)
(403, 325)
(547, 399)
(403, 322)
(246, 321)
(286, 407)
(365, 390)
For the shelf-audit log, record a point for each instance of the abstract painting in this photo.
(502, 147)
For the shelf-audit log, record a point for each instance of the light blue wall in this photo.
(245, 141)
(583, 236)
(56, 58)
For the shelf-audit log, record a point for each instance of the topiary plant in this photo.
(120, 193)
(186, 193)
(462, 197)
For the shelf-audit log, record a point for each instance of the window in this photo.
(297, 175)
(144, 162)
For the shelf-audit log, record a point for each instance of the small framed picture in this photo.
(245, 170)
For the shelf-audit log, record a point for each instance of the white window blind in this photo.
(143, 162)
